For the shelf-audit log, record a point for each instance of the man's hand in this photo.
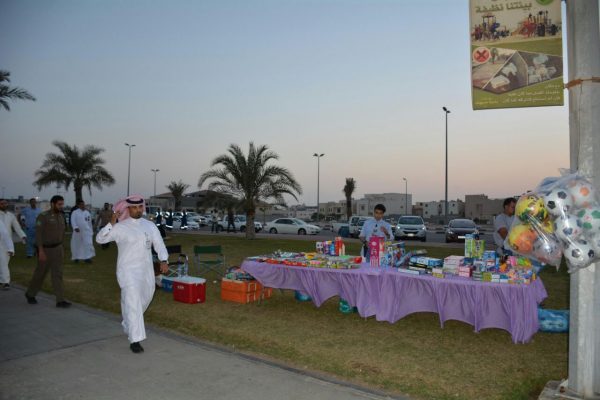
(385, 231)
(77, 230)
(10, 253)
(42, 255)
(114, 217)
(164, 267)
(24, 239)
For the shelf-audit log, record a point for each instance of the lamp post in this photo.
(129, 165)
(155, 171)
(318, 177)
(405, 195)
(446, 111)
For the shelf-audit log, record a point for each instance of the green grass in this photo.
(413, 356)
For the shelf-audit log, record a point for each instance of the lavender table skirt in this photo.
(390, 295)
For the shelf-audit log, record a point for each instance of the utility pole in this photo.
(583, 45)
(446, 112)
(318, 178)
(129, 165)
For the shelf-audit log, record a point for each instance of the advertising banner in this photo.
(516, 53)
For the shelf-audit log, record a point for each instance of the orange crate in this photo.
(240, 286)
(245, 297)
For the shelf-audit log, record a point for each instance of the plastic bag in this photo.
(560, 217)
(554, 321)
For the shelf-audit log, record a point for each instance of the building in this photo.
(301, 211)
(435, 211)
(396, 204)
(482, 209)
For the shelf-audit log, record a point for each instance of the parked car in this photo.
(458, 228)
(191, 224)
(411, 227)
(291, 225)
(239, 222)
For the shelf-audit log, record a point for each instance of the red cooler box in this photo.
(189, 290)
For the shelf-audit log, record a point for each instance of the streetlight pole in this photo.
(405, 195)
(318, 178)
(129, 165)
(155, 171)
(446, 111)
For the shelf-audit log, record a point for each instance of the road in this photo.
(435, 238)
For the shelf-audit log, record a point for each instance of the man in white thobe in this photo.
(11, 224)
(82, 241)
(135, 236)
(7, 248)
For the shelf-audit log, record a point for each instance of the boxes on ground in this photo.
(243, 291)
(188, 289)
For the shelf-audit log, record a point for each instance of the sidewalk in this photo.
(81, 353)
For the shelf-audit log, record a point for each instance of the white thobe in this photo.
(82, 242)
(6, 246)
(10, 224)
(135, 271)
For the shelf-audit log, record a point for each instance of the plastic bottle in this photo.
(185, 269)
(179, 270)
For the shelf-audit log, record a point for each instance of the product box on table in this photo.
(189, 290)
(412, 271)
(243, 291)
(428, 262)
(474, 248)
(464, 271)
(455, 261)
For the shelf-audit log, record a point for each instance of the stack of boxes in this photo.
(243, 291)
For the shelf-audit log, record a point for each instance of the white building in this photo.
(395, 203)
(436, 209)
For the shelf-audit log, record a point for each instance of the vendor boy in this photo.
(375, 226)
(502, 224)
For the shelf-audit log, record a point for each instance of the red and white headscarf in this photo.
(122, 206)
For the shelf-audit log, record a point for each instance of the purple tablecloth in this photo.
(390, 295)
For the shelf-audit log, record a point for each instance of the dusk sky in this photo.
(362, 81)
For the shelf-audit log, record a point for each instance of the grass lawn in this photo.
(413, 356)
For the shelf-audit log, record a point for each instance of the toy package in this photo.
(560, 217)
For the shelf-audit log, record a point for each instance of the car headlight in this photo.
(449, 232)
(423, 228)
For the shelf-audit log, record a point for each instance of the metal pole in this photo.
(155, 171)
(129, 166)
(405, 195)
(583, 44)
(318, 178)
(446, 111)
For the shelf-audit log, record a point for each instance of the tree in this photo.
(348, 190)
(82, 168)
(177, 189)
(11, 93)
(251, 179)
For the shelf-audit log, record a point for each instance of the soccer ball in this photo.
(594, 241)
(521, 238)
(579, 254)
(568, 229)
(558, 202)
(582, 193)
(530, 207)
(548, 250)
(590, 218)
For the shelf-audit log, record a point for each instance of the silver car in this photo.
(411, 227)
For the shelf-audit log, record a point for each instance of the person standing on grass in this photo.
(502, 224)
(104, 217)
(214, 219)
(11, 224)
(375, 226)
(82, 240)
(230, 219)
(29, 216)
(7, 248)
(49, 237)
(135, 236)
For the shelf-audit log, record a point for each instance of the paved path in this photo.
(81, 353)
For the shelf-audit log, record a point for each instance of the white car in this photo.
(191, 224)
(291, 225)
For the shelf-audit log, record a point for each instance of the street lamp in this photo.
(405, 195)
(318, 177)
(155, 171)
(129, 166)
(446, 111)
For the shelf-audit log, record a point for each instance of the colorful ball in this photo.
(558, 202)
(582, 193)
(548, 250)
(521, 238)
(579, 254)
(590, 218)
(568, 229)
(530, 206)
(594, 240)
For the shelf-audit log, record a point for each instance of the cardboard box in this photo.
(245, 297)
(240, 286)
(189, 290)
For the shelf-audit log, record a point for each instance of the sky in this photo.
(363, 82)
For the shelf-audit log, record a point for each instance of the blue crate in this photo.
(167, 284)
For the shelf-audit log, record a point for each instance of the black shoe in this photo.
(5, 286)
(88, 261)
(75, 261)
(136, 347)
(63, 304)
(30, 299)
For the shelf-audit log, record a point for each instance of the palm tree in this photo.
(8, 93)
(349, 188)
(251, 179)
(82, 168)
(177, 189)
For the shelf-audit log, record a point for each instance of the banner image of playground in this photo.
(516, 53)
